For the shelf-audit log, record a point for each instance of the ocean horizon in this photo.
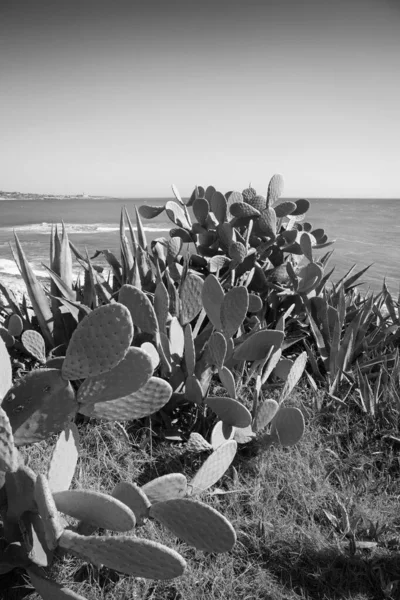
(366, 231)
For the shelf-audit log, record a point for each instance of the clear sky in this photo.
(124, 97)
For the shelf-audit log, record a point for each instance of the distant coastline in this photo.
(27, 196)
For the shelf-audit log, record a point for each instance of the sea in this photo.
(366, 232)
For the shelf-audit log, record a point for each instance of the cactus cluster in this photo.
(33, 528)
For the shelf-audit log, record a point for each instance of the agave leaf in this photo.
(126, 253)
(37, 295)
(140, 231)
(66, 291)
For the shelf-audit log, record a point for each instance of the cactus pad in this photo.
(99, 343)
(265, 413)
(176, 338)
(166, 487)
(287, 427)
(150, 212)
(152, 352)
(302, 207)
(7, 338)
(48, 512)
(15, 325)
(293, 376)
(233, 310)
(95, 508)
(131, 374)
(177, 214)
(255, 303)
(242, 210)
(228, 381)
(257, 346)
(34, 343)
(201, 208)
(219, 206)
(132, 556)
(221, 433)
(7, 455)
(193, 390)
(213, 468)
(212, 296)
(283, 368)
(190, 296)
(134, 498)
(196, 523)
(229, 411)
(217, 347)
(39, 405)
(51, 590)
(284, 209)
(146, 401)
(266, 224)
(20, 487)
(190, 355)
(242, 436)
(140, 308)
(197, 443)
(64, 459)
(5, 370)
(275, 189)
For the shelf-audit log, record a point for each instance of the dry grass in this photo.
(288, 507)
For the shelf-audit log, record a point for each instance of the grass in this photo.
(317, 521)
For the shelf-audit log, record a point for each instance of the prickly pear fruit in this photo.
(166, 487)
(132, 556)
(95, 508)
(196, 523)
(39, 405)
(99, 343)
